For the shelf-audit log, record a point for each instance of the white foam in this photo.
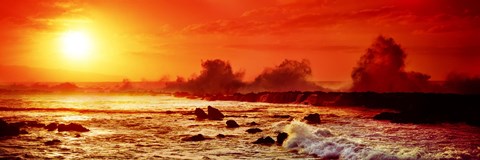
(322, 143)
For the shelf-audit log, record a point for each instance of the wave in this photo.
(325, 145)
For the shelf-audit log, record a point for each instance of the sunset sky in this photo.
(155, 38)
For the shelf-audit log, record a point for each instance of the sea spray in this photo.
(322, 143)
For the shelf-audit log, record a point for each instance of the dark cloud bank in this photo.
(380, 69)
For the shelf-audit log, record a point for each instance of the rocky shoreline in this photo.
(417, 108)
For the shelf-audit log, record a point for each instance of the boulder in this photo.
(214, 114)
(281, 137)
(8, 129)
(52, 142)
(312, 118)
(265, 141)
(72, 127)
(232, 124)
(253, 130)
(200, 114)
(198, 137)
(51, 126)
(221, 136)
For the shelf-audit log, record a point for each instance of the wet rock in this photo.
(51, 126)
(200, 114)
(72, 127)
(265, 141)
(198, 137)
(35, 124)
(148, 117)
(232, 124)
(252, 124)
(281, 137)
(221, 136)
(8, 129)
(313, 118)
(214, 114)
(253, 130)
(53, 142)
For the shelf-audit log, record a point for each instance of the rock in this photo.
(313, 118)
(200, 114)
(51, 126)
(281, 137)
(221, 136)
(198, 137)
(232, 124)
(72, 127)
(8, 129)
(253, 130)
(35, 124)
(252, 124)
(53, 142)
(265, 141)
(23, 132)
(386, 116)
(214, 114)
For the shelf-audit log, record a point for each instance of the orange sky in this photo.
(153, 38)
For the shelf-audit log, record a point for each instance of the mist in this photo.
(290, 75)
(216, 77)
(382, 69)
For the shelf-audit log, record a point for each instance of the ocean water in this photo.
(151, 127)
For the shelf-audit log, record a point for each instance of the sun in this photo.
(76, 45)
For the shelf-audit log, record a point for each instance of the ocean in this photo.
(153, 126)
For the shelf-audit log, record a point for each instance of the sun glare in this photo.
(76, 45)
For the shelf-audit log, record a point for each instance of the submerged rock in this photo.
(385, 116)
(281, 116)
(214, 114)
(198, 137)
(221, 136)
(313, 118)
(51, 126)
(72, 127)
(8, 129)
(200, 114)
(232, 124)
(253, 130)
(252, 124)
(281, 137)
(265, 141)
(53, 142)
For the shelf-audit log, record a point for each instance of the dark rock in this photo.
(23, 132)
(53, 142)
(221, 136)
(148, 117)
(51, 126)
(265, 141)
(8, 129)
(198, 137)
(200, 114)
(35, 124)
(72, 127)
(214, 114)
(281, 116)
(312, 118)
(281, 137)
(19, 124)
(253, 130)
(232, 124)
(252, 124)
(386, 116)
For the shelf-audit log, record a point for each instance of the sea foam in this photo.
(321, 142)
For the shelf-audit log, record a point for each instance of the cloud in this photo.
(216, 77)
(382, 69)
(290, 75)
